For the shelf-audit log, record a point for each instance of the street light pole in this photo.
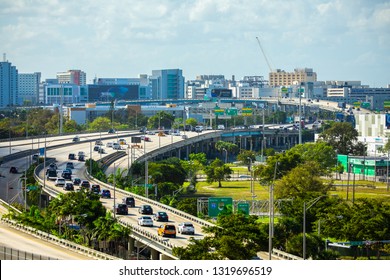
(114, 189)
(146, 179)
(305, 208)
(225, 155)
(300, 117)
(271, 215)
(90, 158)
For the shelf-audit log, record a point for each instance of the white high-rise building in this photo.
(28, 88)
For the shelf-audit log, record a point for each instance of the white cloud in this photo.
(160, 32)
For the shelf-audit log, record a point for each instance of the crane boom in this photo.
(266, 59)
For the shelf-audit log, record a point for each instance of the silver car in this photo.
(145, 221)
(186, 228)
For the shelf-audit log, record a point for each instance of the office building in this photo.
(76, 77)
(28, 88)
(8, 84)
(282, 78)
(167, 84)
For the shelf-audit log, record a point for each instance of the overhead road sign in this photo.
(246, 112)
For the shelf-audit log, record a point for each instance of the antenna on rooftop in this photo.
(4, 57)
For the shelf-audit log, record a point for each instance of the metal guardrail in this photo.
(58, 241)
(284, 255)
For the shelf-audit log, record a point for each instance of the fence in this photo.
(7, 253)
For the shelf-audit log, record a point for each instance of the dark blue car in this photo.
(105, 194)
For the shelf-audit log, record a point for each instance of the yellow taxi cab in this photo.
(167, 230)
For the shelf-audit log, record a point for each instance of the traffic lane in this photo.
(132, 218)
(19, 240)
(9, 182)
(35, 142)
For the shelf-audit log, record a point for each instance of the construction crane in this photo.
(269, 65)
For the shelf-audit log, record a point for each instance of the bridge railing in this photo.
(58, 241)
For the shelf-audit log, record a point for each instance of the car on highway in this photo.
(76, 181)
(150, 132)
(69, 165)
(81, 153)
(68, 187)
(96, 148)
(146, 138)
(72, 156)
(109, 144)
(145, 209)
(145, 221)
(184, 136)
(51, 174)
(85, 184)
(105, 194)
(81, 158)
(68, 170)
(167, 230)
(101, 150)
(129, 201)
(111, 131)
(121, 209)
(99, 143)
(53, 166)
(161, 216)
(95, 189)
(35, 157)
(76, 139)
(13, 170)
(66, 175)
(116, 146)
(60, 182)
(186, 228)
(122, 141)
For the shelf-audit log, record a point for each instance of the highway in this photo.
(61, 156)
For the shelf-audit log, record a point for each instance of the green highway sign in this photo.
(246, 111)
(32, 188)
(218, 204)
(243, 207)
(231, 111)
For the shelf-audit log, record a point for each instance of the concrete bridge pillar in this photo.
(154, 254)
(130, 245)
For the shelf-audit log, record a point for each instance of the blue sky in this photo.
(340, 40)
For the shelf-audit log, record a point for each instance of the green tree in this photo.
(282, 162)
(342, 136)
(191, 121)
(162, 119)
(100, 124)
(217, 171)
(302, 179)
(246, 157)
(320, 152)
(188, 205)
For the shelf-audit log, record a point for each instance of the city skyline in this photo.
(339, 40)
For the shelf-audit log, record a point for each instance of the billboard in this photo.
(218, 204)
(112, 92)
(221, 92)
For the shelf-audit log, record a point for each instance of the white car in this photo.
(60, 182)
(145, 221)
(186, 228)
(109, 144)
(116, 146)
